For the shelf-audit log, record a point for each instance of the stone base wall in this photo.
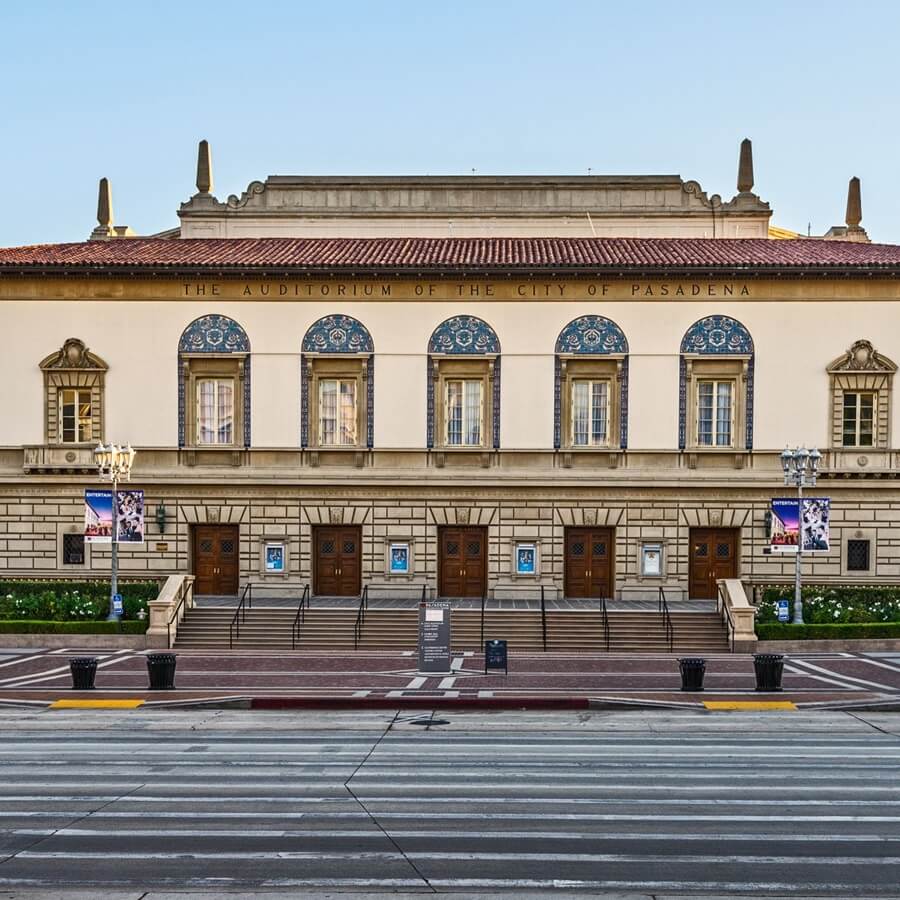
(34, 518)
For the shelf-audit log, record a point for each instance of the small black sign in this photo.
(495, 656)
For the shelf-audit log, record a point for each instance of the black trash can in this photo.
(769, 669)
(84, 669)
(693, 668)
(161, 669)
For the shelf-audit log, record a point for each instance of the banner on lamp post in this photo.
(789, 521)
(99, 516)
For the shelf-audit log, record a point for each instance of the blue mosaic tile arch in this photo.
(716, 335)
(337, 334)
(213, 334)
(598, 336)
(591, 334)
(463, 335)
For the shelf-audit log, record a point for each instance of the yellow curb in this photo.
(96, 704)
(749, 704)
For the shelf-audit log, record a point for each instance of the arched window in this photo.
(715, 392)
(214, 384)
(463, 390)
(337, 384)
(590, 395)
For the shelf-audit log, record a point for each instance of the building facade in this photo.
(472, 385)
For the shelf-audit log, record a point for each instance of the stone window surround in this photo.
(197, 367)
(73, 366)
(861, 369)
(356, 368)
(606, 368)
(471, 368)
(877, 383)
(715, 368)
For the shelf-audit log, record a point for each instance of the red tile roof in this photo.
(418, 255)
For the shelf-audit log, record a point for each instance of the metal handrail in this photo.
(725, 613)
(604, 620)
(360, 616)
(174, 617)
(300, 618)
(663, 607)
(483, 599)
(543, 619)
(240, 615)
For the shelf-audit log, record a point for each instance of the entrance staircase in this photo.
(396, 629)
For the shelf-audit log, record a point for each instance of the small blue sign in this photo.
(784, 614)
(117, 603)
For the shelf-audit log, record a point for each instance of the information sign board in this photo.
(434, 636)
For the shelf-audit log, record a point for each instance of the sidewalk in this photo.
(320, 679)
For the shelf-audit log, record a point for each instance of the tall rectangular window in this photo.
(859, 419)
(337, 412)
(215, 411)
(715, 413)
(75, 415)
(465, 411)
(590, 413)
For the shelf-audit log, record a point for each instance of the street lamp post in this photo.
(800, 469)
(114, 465)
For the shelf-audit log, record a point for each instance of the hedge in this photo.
(840, 632)
(39, 626)
(76, 601)
(837, 605)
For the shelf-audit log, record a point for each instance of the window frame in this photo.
(199, 367)
(469, 368)
(339, 383)
(218, 381)
(464, 409)
(716, 368)
(606, 368)
(873, 432)
(716, 384)
(334, 367)
(60, 396)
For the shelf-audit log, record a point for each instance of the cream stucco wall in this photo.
(526, 407)
(794, 340)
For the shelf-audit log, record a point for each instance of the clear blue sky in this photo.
(127, 89)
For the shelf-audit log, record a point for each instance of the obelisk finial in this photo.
(204, 168)
(854, 204)
(104, 204)
(745, 167)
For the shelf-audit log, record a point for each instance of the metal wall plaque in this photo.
(434, 636)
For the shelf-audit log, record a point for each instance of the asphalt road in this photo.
(629, 804)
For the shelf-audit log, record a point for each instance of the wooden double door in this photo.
(589, 562)
(462, 554)
(713, 557)
(338, 561)
(216, 559)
